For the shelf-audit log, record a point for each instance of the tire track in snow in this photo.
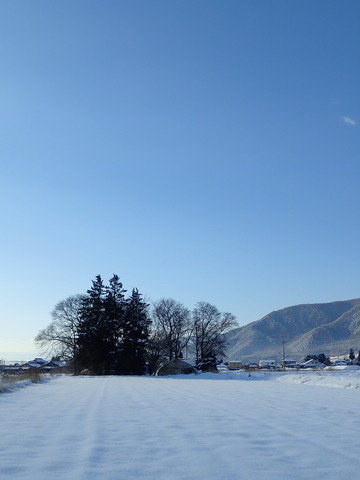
(117, 428)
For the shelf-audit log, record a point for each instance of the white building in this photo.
(267, 364)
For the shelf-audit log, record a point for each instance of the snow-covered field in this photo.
(229, 426)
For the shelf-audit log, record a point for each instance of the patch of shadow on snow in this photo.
(236, 375)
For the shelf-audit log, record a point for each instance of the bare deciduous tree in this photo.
(208, 336)
(155, 351)
(60, 336)
(172, 321)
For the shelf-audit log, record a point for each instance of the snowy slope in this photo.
(306, 329)
(230, 426)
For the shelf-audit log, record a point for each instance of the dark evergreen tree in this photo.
(324, 359)
(115, 309)
(136, 330)
(95, 334)
(351, 355)
(311, 357)
(113, 331)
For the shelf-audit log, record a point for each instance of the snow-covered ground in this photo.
(230, 426)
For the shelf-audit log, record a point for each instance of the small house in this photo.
(270, 364)
(289, 363)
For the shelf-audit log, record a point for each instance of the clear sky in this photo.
(203, 150)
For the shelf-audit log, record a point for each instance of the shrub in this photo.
(9, 381)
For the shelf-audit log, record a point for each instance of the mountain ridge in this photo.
(331, 328)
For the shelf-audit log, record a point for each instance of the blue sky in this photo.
(202, 150)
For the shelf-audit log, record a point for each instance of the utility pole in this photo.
(283, 343)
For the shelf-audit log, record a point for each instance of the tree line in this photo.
(107, 332)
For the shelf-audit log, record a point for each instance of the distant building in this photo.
(234, 365)
(289, 363)
(342, 362)
(312, 364)
(267, 364)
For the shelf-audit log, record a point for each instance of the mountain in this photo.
(330, 328)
